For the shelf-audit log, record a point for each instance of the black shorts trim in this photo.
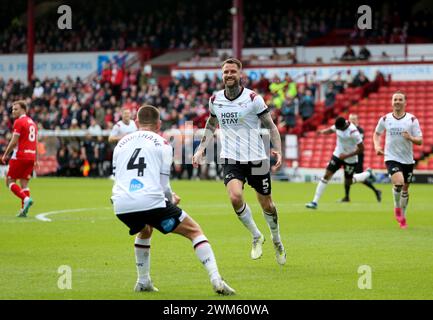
(394, 167)
(256, 173)
(336, 163)
(163, 219)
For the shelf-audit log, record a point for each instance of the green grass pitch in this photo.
(325, 248)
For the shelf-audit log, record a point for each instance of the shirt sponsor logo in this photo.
(135, 185)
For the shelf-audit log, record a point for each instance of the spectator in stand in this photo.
(364, 54)
(306, 105)
(348, 54)
(63, 162)
(94, 129)
(100, 149)
(338, 84)
(277, 89)
(330, 96)
(360, 79)
(288, 115)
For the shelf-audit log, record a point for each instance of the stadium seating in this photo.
(315, 151)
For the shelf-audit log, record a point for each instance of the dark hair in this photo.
(21, 103)
(232, 61)
(148, 115)
(340, 123)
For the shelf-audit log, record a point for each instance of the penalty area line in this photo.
(43, 216)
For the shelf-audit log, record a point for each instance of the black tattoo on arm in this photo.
(267, 122)
(209, 130)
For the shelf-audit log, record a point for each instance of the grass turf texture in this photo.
(324, 247)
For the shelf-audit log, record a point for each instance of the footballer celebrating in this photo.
(402, 132)
(349, 146)
(123, 127)
(240, 113)
(24, 145)
(143, 200)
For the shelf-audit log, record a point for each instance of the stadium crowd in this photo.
(96, 104)
(114, 25)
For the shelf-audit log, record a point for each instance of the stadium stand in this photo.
(109, 25)
(315, 150)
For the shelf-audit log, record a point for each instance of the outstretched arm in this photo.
(267, 122)
(326, 131)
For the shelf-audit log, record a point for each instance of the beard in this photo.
(235, 83)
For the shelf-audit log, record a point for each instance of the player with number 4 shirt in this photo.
(24, 146)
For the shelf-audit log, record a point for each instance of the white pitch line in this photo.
(43, 216)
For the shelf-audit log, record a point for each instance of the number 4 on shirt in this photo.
(140, 166)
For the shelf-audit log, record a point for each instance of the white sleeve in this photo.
(165, 184)
(380, 128)
(333, 128)
(357, 137)
(212, 112)
(115, 155)
(115, 132)
(415, 128)
(167, 159)
(260, 106)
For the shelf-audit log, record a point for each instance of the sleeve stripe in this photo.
(263, 112)
(164, 174)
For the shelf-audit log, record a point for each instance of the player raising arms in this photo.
(402, 131)
(24, 145)
(349, 145)
(240, 112)
(142, 198)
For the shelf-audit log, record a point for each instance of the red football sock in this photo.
(17, 191)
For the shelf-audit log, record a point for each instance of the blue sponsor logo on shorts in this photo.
(135, 185)
(168, 224)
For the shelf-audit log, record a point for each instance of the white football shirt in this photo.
(121, 129)
(239, 125)
(398, 148)
(347, 142)
(138, 161)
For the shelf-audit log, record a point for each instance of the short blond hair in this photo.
(21, 103)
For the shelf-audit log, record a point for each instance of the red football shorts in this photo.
(20, 169)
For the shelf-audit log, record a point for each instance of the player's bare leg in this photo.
(191, 230)
(397, 180)
(320, 189)
(243, 211)
(271, 217)
(142, 259)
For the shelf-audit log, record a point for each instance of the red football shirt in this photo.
(28, 131)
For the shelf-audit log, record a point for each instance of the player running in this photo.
(240, 112)
(24, 145)
(402, 131)
(353, 118)
(349, 145)
(143, 200)
(123, 127)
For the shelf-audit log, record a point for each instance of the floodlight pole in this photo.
(30, 39)
(237, 28)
